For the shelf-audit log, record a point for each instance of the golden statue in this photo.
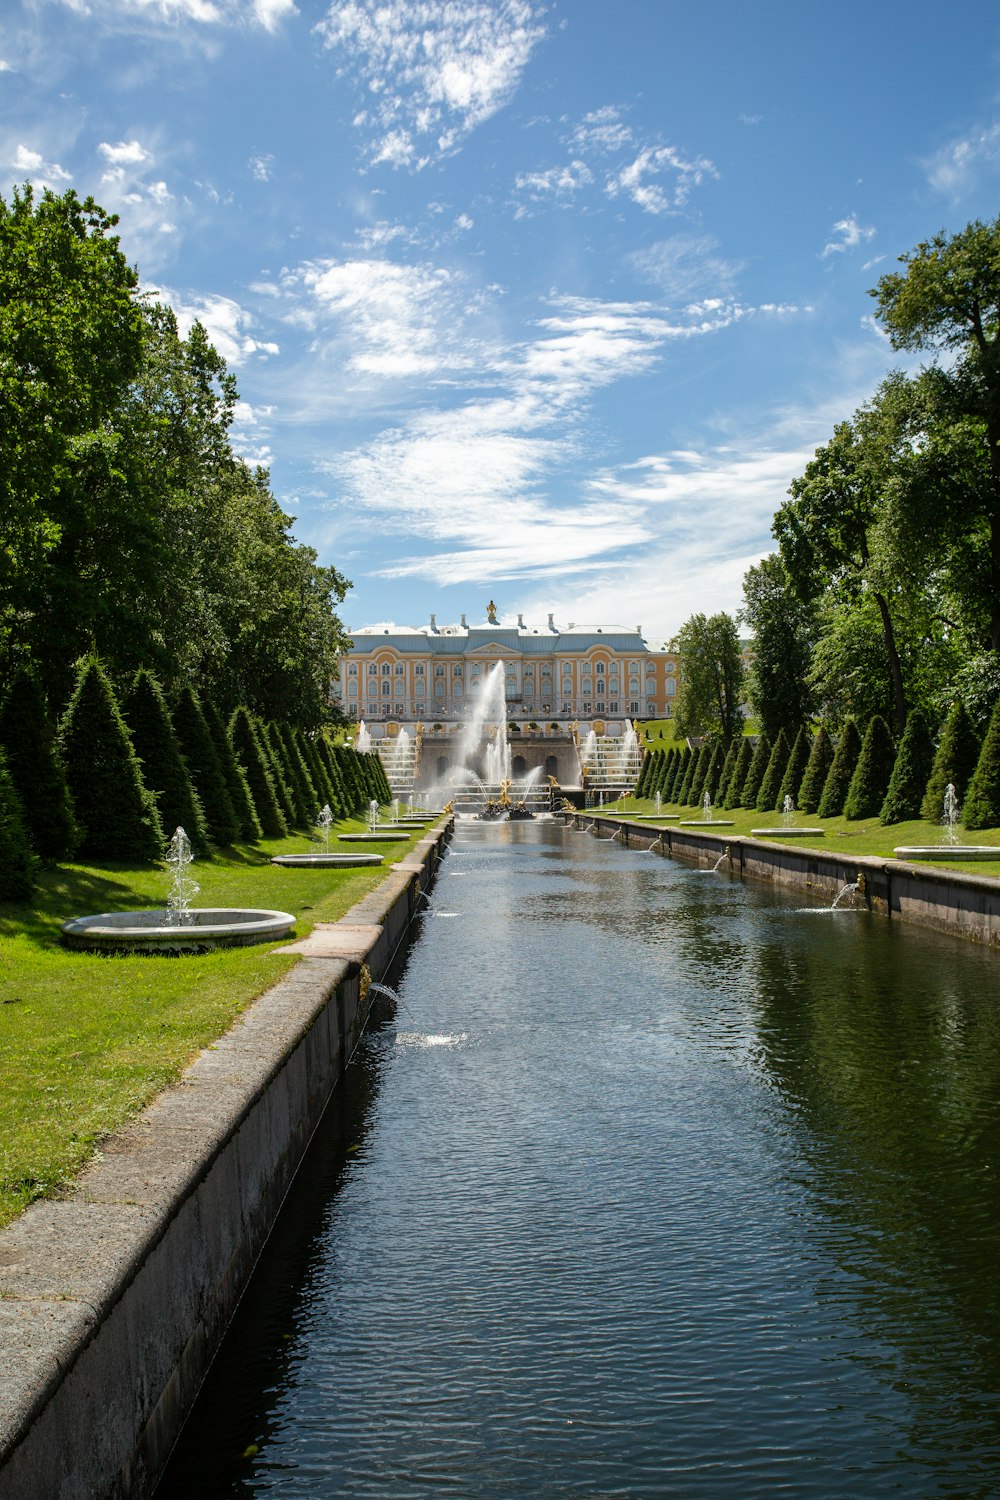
(491, 613)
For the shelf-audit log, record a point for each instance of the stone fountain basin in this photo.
(150, 931)
(947, 851)
(787, 833)
(311, 861)
(374, 838)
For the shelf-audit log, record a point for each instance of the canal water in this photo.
(659, 1186)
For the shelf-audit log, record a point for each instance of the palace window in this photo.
(386, 689)
(352, 669)
(418, 670)
(372, 669)
(400, 669)
(439, 670)
(671, 687)
(386, 669)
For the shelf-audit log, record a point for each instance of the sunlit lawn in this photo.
(86, 1039)
(867, 836)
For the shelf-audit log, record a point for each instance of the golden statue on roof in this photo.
(491, 613)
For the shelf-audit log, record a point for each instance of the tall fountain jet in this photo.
(489, 716)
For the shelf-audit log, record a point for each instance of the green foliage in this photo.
(273, 749)
(249, 829)
(795, 770)
(982, 801)
(325, 748)
(673, 778)
(347, 759)
(756, 772)
(304, 795)
(164, 769)
(37, 771)
(249, 747)
(738, 775)
(838, 779)
(116, 813)
(954, 762)
(712, 679)
(726, 774)
(870, 781)
(712, 774)
(767, 792)
(318, 773)
(817, 769)
(17, 863)
(683, 786)
(912, 767)
(206, 773)
(644, 770)
(785, 627)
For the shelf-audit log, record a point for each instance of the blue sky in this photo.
(544, 303)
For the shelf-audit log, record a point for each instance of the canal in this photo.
(658, 1186)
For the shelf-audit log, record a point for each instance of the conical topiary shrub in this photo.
(982, 800)
(682, 793)
(339, 807)
(794, 770)
(643, 776)
(17, 863)
(674, 779)
(712, 773)
(738, 775)
(755, 775)
(662, 764)
(910, 772)
(767, 793)
(249, 829)
(838, 778)
(37, 771)
(317, 770)
(954, 763)
(116, 813)
(246, 738)
(817, 769)
(726, 774)
(870, 781)
(164, 769)
(353, 790)
(203, 766)
(307, 803)
(273, 749)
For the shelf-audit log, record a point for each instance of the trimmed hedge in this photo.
(870, 781)
(912, 767)
(17, 863)
(816, 772)
(795, 770)
(203, 765)
(954, 763)
(249, 828)
(726, 774)
(116, 812)
(37, 772)
(767, 794)
(755, 773)
(982, 802)
(838, 778)
(164, 769)
(744, 756)
(247, 738)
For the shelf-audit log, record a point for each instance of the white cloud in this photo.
(955, 168)
(637, 180)
(657, 178)
(261, 167)
(849, 235)
(124, 154)
(226, 323)
(433, 69)
(33, 165)
(167, 14)
(268, 13)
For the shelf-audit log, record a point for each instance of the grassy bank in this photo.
(86, 1040)
(839, 836)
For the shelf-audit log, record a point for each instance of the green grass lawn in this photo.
(868, 836)
(86, 1039)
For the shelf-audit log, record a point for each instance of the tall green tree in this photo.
(948, 299)
(785, 627)
(954, 762)
(711, 694)
(28, 736)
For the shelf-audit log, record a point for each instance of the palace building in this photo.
(559, 675)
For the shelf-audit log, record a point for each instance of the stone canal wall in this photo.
(113, 1300)
(967, 905)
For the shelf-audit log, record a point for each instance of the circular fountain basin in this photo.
(706, 823)
(315, 861)
(787, 833)
(374, 838)
(947, 851)
(152, 932)
(654, 817)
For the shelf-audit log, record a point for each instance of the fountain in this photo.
(951, 847)
(707, 817)
(178, 927)
(788, 828)
(314, 858)
(363, 743)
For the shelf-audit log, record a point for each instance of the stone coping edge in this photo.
(113, 1299)
(957, 901)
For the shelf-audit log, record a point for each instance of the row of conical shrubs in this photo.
(857, 778)
(114, 780)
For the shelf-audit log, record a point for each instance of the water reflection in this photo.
(668, 1191)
